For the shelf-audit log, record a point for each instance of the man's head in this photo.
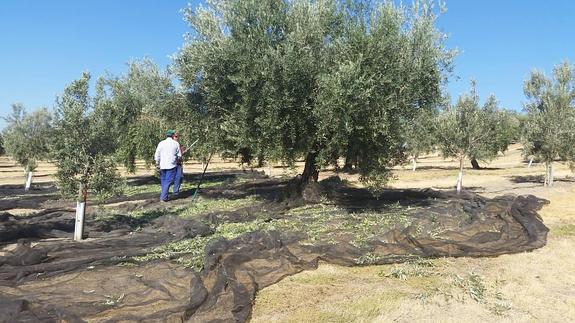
(170, 133)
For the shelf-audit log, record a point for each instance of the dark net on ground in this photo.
(46, 277)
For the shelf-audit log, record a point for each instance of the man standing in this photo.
(166, 157)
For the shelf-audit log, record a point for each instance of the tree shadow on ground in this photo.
(15, 197)
(127, 221)
(430, 167)
(539, 179)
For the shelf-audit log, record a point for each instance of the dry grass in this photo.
(529, 287)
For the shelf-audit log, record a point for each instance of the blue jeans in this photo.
(167, 177)
(178, 179)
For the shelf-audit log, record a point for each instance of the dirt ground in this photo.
(534, 286)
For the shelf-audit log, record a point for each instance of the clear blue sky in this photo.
(47, 44)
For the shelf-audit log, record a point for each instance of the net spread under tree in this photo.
(549, 132)
(299, 79)
(26, 137)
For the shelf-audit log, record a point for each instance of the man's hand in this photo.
(158, 166)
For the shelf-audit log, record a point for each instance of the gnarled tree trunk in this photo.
(475, 164)
(310, 171)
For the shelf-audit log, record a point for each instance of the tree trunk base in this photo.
(475, 164)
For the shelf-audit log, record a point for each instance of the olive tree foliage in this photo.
(420, 135)
(2, 151)
(314, 79)
(81, 147)
(505, 127)
(467, 130)
(26, 136)
(549, 132)
(136, 105)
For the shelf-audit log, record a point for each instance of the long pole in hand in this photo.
(192, 145)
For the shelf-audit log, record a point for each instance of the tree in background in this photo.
(420, 135)
(505, 127)
(549, 132)
(2, 151)
(467, 130)
(292, 79)
(137, 105)
(26, 138)
(82, 150)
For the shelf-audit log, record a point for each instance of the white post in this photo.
(80, 213)
(28, 181)
(414, 163)
(530, 162)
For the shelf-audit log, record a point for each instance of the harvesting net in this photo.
(47, 277)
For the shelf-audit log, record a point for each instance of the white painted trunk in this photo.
(460, 177)
(80, 212)
(551, 174)
(546, 183)
(28, 181)
(530, 162)
(414, 164)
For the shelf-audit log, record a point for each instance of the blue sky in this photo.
(47, 44)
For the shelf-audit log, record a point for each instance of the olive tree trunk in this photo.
(475, 164)
(28, 180)
(548, 174)
(414, 163)
(310, 171)
(460, 176)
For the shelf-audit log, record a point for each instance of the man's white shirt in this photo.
(167, 152)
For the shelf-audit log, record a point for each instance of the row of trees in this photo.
(278, 80)
(465, 130)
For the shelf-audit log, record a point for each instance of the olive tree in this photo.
(505, 128)
(467, 130)
(82, 150)
(315, 80)
(420, 136)
(549, 132)
(137, 105)
(2, 151)
(26, 138)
